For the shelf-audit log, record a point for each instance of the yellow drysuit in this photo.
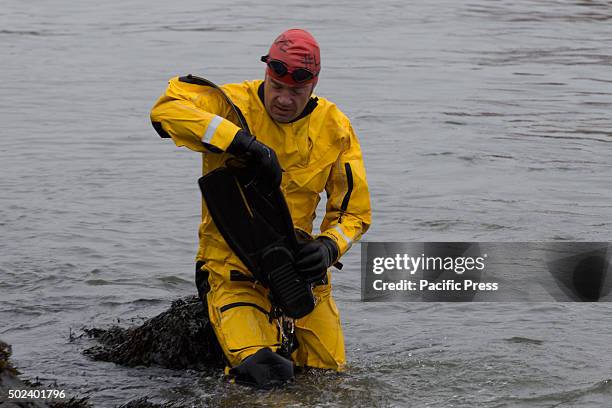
(318, 152)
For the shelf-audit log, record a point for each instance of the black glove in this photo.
(314, 257)
(262, 156)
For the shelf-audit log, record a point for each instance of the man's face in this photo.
(283, 102)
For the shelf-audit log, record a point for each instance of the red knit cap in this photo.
(297, 49)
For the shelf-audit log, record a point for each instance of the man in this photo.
(304, 144)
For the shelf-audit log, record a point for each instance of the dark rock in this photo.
(179, 338)
(145, 403)
(5, 355)
(9, 380)
(73, 403)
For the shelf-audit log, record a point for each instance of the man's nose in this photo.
(284, 99)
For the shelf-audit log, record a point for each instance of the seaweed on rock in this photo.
(179, 338)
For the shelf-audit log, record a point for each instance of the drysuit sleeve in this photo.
(194, 116)
(348, 212)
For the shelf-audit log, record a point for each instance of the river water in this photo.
(479, 121)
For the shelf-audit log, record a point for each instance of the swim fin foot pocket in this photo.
(289, 291)
(264, 369)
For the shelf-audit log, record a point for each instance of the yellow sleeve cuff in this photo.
(337, 234)
(224, 134)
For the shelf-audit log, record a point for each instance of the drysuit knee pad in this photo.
(264, 369)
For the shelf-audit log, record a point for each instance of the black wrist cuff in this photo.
(241, 143)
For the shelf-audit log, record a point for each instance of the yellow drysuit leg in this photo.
(239, 312)
(319, 334)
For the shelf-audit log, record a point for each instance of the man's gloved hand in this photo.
(263, 157)
(314, 257)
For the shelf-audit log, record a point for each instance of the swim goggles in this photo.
(280, 69)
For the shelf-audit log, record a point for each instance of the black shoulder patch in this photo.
(191, 79)
(160, 130)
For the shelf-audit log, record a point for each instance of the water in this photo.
(479, 121)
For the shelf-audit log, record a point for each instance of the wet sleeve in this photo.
(194, 116)
(348, 213)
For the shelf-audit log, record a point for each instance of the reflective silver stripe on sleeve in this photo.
(212, 127)
(343, 235)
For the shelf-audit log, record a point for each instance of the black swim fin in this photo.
(255, 222)
(264, 369)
